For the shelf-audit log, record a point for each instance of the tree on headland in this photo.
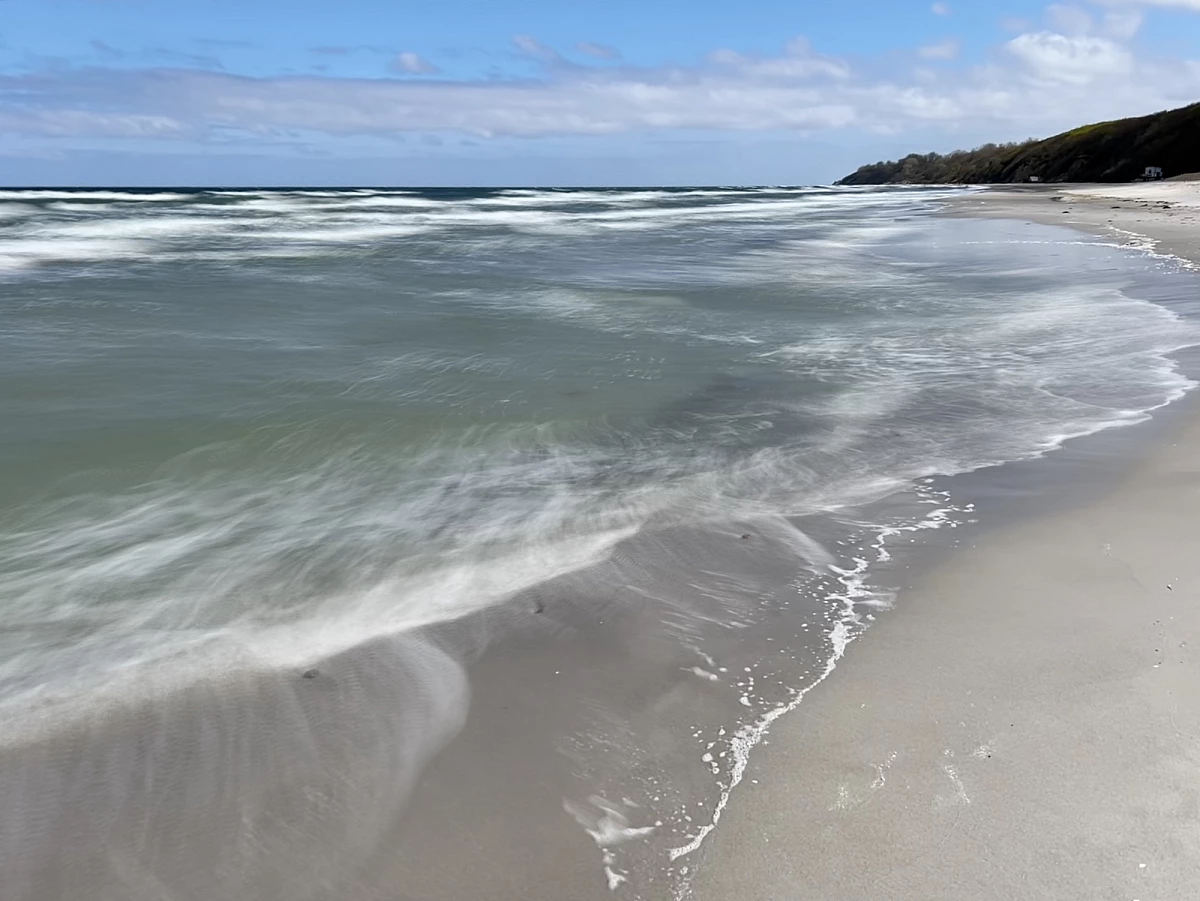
(1103, 152)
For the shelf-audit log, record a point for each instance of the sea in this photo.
(313, 499)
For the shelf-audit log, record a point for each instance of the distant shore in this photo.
(1025, 725)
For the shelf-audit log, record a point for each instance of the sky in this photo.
(559, 92)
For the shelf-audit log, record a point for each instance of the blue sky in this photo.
(559, 91)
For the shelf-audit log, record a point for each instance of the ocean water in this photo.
(248, 433)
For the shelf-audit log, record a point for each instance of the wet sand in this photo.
(1162, 215)
(1026, 724)
(312, 782)
(578, 722)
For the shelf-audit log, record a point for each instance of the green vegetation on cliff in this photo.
(1104, 152)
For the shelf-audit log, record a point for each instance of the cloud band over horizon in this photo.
(1084, 64)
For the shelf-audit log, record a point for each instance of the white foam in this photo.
(400, 202)
(609, 827)
(146, 544)
(332, 219)
(16, 255)
(12, 211)
(131, 196)
(846, 627)
(143, 227)
(346, 235)
(1152, 247)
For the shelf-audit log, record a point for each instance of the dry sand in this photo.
(1026, 725)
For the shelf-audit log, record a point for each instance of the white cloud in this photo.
(1012, 23)
(1122, 24)
(1070, 19)
(1193, 5)
(940, 9)
(1038, 83)
(799, 61)
(599, 51)
(1080, 60)
(413, 64)
(72, 122)
(947, 49)
(535, 49)
(581, 102)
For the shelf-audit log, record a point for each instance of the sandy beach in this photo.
(1026, 723)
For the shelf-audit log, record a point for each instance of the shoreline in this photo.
(1024, 724)
(1160, 217)
(609, 716)
(507, 865)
